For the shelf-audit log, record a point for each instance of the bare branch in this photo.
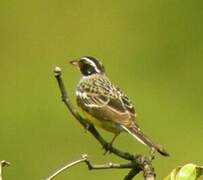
(108, 166)
(133, 172)
(136, 160)
(81, 160)
(3, 163)
(91, 166)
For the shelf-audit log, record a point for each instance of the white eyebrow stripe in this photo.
(92, 63)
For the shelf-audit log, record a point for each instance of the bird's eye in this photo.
(87, 69)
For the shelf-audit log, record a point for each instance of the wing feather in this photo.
(107, 102)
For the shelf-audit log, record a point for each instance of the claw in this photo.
(107, 147)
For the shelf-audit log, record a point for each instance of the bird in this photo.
(105, 105)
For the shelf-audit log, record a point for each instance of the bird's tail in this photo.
(141, 137)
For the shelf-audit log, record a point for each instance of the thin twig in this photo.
(138, 163)
(3, 163)
(108, 166)
(81, 160)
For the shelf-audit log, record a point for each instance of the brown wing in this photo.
(109, 104)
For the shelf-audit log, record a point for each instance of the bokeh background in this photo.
(152, 49)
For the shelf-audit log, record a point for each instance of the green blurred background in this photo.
(152, 49)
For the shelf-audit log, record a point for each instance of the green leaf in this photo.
(172, 175)
(186, 172)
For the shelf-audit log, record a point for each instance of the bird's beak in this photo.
(74, 62)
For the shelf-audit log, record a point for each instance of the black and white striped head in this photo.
(89, 65)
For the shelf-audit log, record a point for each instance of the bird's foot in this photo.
(107, 147)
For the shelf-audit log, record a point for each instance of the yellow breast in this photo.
(104, 124)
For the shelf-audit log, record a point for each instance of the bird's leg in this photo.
(108, 146)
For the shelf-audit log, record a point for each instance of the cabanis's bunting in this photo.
(105, 105)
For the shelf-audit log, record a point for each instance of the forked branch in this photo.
(91, 166)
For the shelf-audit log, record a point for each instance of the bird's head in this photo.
(89, 65)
